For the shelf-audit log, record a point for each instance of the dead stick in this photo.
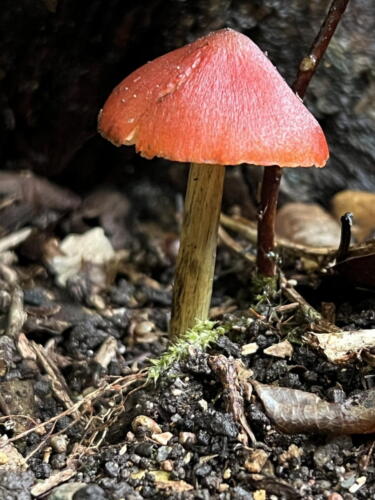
(226, 372)
(266, 262)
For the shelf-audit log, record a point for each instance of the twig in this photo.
(7, 273)
(272, 175)
(346, 234)
(17, 315)
(369, 454)
(14, 239)
(232, 244)
(54, 480)
(42, 443)
(310, 63)
(226, 372)
(121, 382)
(59, 386)
(244, 227)
(318, 323)
(266, 258)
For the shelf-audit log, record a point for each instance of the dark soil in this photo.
(205, 455)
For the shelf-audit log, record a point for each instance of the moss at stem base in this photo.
(264, 286)
(198, 337)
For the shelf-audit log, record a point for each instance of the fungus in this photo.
(217, 101)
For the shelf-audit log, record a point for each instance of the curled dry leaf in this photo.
(342, 347)
(294, 411)
(226, 370)
(307, 224)
(76, 250)
(247, 229)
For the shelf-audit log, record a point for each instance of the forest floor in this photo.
(81, 417)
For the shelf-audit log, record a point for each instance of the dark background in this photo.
(59, 59)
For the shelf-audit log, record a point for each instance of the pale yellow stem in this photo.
(196, 258)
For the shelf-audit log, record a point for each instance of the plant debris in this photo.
(345, 346)
(295, 411)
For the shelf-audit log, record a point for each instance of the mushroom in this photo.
(217, 101)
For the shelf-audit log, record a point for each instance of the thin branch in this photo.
(310, 63)
(272, 175)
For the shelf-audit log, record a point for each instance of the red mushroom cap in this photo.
(217, 100)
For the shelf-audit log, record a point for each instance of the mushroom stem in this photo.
(196, 258)
(266, 258)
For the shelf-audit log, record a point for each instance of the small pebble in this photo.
(227, 473)
(59, 443)
(66, 491)
(144, 327)
(223, 487)
(147, 423)
(203, 404)
(162, 438)
(335, 496)
(292, 452)
(112, 468)
(358, 484)
(256, 461)
(248, 349)
(167, 465)
(259, 495)
(163, 453)
(130, 436)
(187, 438)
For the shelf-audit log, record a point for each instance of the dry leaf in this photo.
(294, 411)
(283, 350)
(342, 347)
(76, 250)
(176, 486)
(307, 224)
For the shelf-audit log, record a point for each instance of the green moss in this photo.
(198, 337)
(263, 286)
